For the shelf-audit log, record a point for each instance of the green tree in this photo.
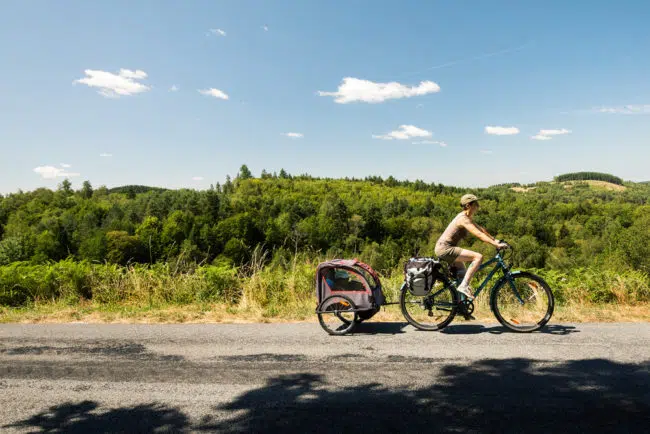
(66, 187)
(123, 248)
(149, 232)
(86, 190)
(93, 247)
(176, 229)
(244, 173)
(333, 221)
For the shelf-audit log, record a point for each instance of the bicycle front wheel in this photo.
(523, 302)
(430, 312)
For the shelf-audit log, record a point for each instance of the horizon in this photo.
(351, 179)
(175, 95)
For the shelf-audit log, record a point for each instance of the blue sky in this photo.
(461, 92)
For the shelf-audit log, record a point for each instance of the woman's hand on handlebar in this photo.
(502, 245)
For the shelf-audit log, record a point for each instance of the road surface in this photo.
(387, 377)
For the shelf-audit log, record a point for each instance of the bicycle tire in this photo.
(419, 325)
(348, 325)
(512, 325)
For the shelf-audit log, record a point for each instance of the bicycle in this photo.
(521, 301)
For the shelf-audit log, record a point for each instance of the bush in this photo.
(15, 249)
(67, 280)
(273, 288)
(222, 284)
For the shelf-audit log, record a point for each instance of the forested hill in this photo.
(589, 176)
(552, 224)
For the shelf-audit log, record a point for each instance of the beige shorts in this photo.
(448, 254)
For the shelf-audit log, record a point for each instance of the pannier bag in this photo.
(421, 274)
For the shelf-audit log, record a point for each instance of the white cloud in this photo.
(50, 172)
(404, 132)
(632, 109)
(502, 131)
(65, 166)
(429, 142)
(266, 28)
(294, 135)
(115, 85)
(214, 92)
(554, 132)
(486, 151)
(104, 154)
(197, 178)
(547, 134)
(217, 32)
(354, 89)
(174, 88)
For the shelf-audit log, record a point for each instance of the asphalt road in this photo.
(387, 377)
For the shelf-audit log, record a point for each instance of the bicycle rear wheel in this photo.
(523, 304)
(433, 311)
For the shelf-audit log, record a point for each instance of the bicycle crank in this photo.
(466, 307)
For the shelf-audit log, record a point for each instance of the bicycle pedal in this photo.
(469, 318)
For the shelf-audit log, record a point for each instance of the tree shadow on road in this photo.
(505, 396)
(488, 396)
(84, 417)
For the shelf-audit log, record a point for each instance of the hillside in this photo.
(589, 176)
(386, 219)
(253, 243)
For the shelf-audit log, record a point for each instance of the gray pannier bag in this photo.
(421, 274)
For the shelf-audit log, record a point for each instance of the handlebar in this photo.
(508, 247)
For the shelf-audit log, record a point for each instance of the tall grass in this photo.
(266, 287)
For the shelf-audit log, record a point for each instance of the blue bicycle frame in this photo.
(507, 275)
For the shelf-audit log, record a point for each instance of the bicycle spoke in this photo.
(525, 303)
(429, 312)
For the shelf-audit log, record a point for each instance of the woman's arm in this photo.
(482, 229)
(479, 232)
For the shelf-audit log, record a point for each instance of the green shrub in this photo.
(222, 284)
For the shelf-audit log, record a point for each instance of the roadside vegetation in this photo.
(247, 250)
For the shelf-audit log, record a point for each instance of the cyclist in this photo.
(447, 245)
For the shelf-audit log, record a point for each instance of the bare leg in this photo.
(469, 256)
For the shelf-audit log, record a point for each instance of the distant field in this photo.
(603, 185)
(522, 189)
(597, 184)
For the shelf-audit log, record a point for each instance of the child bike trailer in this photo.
(348, 292)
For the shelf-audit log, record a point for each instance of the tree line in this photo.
(589, 176)
(381, 220)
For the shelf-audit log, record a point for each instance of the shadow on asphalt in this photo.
(461, 329)
(380, 328)
(505, 396)
(393, 328)
(81, 418)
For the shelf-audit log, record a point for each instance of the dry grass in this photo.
(221, 313)
(522, 189)
(603, 185)
(266, 293)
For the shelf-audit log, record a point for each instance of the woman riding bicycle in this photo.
(447, 245)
